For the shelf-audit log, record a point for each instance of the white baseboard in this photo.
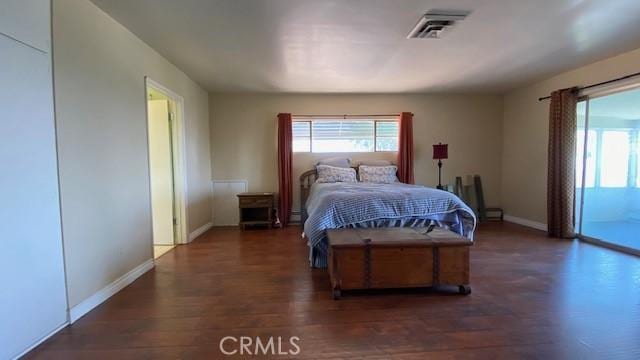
(525, 222)
(43, 339)
(108, 291)
(225, 225)
(199, 231)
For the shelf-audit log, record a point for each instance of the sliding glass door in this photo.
(608, 169)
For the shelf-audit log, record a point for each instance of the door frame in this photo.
(179, 159)
(608, 245)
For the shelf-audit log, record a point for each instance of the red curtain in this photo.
(405, 149)
(284, 168)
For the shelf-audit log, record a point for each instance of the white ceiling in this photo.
(360, 45)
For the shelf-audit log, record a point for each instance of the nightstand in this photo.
(256, 208)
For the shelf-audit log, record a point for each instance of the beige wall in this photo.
(99, 69)
(525, 129)
(243, 134)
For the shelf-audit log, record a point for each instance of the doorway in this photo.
(166, 167)
(608, 169)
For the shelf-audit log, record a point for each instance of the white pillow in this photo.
(378, 174)
(335, 161)
(333, 174)
(375, 162)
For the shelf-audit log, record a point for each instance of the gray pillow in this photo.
(336, 162)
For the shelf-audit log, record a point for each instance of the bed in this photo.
(326, 206)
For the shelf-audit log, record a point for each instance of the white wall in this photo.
(244, 133)
(99, 69)
(32, 298)
(525, 129)
(27, 21)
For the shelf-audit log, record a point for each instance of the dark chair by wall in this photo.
(485, 213)
(458, 189)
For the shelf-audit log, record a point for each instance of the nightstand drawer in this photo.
(256, 208)
(247, 202)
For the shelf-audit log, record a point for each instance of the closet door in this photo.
(32, 296)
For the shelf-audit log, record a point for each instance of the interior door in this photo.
(161, 170)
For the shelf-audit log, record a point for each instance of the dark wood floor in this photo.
(533, 297)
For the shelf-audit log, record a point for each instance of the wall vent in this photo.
(436, 22)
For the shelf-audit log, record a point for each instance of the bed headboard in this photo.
(306, 180)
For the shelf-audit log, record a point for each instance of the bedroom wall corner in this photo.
(525, 129)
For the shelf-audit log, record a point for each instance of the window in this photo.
(345, 135)
(387, 135)
(301, 136)
(342, 136)
(611, 160)
(614, 165)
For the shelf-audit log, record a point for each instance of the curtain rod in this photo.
(344, 116)
(598, 84)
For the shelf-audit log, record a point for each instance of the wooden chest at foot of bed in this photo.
(379, 258)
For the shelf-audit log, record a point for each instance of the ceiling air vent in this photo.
(432, 24)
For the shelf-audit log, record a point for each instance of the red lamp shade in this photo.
(440, 151)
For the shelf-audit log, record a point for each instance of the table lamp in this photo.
(440, 151)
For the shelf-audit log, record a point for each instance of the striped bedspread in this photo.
(342, 205)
